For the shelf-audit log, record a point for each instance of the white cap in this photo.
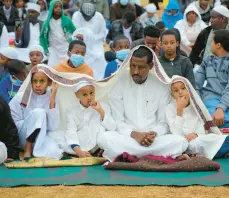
(9, 52)
(36, 48)
(81, 84)
(33, 6)
(151, 8)
(222, 10)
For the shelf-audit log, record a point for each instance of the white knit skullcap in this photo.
(222, 10)
(36, 48)
(151, 8)
(81, 84)
(33, 6)
(88, 9)
(9, 52)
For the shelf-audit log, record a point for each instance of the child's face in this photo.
(7, 3)
(150, 15)
(57, 9)
(20, 4)
(40, 83)
(41, 3)
(179, 90)
(122, 44)
(191, 17)
(78, 49)
(86, 95)
(36, 57)
(3, 60)
(169, 44)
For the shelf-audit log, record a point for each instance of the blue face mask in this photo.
(16, 81)
(122, 54)
(77, 60)
(124, 2)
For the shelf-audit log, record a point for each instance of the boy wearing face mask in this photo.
(75, 63)
(121, 47)
(56, 33)
(12, 82)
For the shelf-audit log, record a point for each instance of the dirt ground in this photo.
(114, 192)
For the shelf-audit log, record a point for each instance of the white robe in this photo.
(37, 115)
(140, 108)
(84, 125)
(3, 152)
(97, 26)
(205, 145)
(4, 39)
(189, 32)
(58, 44)
(144, 19)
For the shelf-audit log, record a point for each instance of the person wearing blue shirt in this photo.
(11, 83)
(121, 46)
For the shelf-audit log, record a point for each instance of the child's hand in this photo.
(191, 137)
(182, 102)
(83, 154)
(54, 88)
(97, 106)
(219, 117)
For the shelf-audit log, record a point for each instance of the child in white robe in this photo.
(38, 117)
(86, 120)
(184, 121)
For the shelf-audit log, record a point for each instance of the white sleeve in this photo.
(175, 122)
(53, 118)
(162, 127)
(108, 122)
(117, 108)
(4, 38)
(71, 132)
(17, 111)
(100, 36)
(76, 19)
(184, 40)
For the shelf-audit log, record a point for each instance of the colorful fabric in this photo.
(66, 22)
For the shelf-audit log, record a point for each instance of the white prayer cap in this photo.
(151, 8)
(81, 84)
(9, 52)
(33, 6)
(36, 48)
(222, 10)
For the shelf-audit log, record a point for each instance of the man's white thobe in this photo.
(4, 39)
(85, 124)
(205, 145)
(37, 115)
(140, 108)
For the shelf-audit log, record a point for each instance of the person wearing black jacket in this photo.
(9, 139)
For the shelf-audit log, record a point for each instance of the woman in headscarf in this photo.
(189, 28)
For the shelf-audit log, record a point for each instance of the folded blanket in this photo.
(161, 164)
(45, 162)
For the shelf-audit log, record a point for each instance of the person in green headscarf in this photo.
(56, 33)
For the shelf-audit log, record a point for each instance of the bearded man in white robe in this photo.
(138, 102)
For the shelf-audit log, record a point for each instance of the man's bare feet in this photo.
(183, 157)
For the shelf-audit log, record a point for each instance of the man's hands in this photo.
(191, 136)
(81, 154)
(144, 138)
(218, 117)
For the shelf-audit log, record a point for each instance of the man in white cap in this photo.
(149, 17)
(202, 47)
(29, 34)
(6, 55)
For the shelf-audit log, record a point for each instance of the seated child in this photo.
(56, 33)
(12, 82)
(86, 120)
(76, 62)
(172, 14)
(172, 62)
(6, 55)
(121, 46)
(9, 140)
(183, 120)
(36, 56)
(36, 116)
(214, 69)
